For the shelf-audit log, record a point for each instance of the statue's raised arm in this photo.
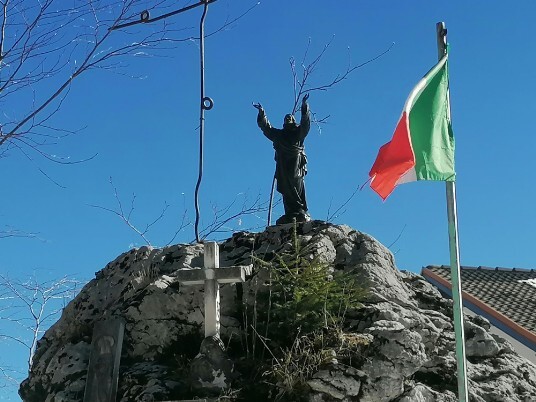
(305, 121)
(264, 124)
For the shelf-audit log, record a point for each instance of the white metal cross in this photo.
(211, 275)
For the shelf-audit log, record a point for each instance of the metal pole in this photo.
(203, 106)
(271, 202)
(206, 102)
(454, 255)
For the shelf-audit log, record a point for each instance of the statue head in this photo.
(289, 120)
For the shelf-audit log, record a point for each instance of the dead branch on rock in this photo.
(126, 215)
(223, 218)
(28, 307)
(302, 84)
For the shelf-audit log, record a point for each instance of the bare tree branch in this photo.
(224, 216)
(8, 231)
(184, 223)
(8, 377)
(398, 237)
(45, 46)
(31, 306)
(301, 84)
(126, 217)
(3, 30)
(340, 210)
(224, 220)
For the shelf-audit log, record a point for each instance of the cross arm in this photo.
(198, 276)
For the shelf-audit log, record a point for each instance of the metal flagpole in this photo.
(454, 254)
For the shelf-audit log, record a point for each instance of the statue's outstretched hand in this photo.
(257, 106)
(305, 97)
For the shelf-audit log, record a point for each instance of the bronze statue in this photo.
(290, 160)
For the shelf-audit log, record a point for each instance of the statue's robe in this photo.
(291, 162)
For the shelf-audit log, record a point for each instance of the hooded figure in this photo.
(290, 160)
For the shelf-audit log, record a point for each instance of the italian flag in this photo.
(422, 147)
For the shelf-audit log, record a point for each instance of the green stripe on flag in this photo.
(431, 133)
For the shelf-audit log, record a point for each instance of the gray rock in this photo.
(211, 371)
(479, 342)
(422, 393)
(338, 383)
(406, 349)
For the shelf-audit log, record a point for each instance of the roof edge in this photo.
(509, 326)
(467, 267)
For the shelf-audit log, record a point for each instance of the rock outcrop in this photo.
(409, 353)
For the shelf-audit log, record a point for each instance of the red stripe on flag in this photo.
(394, 159)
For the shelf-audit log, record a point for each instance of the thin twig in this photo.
(127, 217)
(11, 232)
(336, 214)
(302, 86)
(221, 217)
(31, 305)
(398, 237)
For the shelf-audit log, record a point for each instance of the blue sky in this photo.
(143, 132)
